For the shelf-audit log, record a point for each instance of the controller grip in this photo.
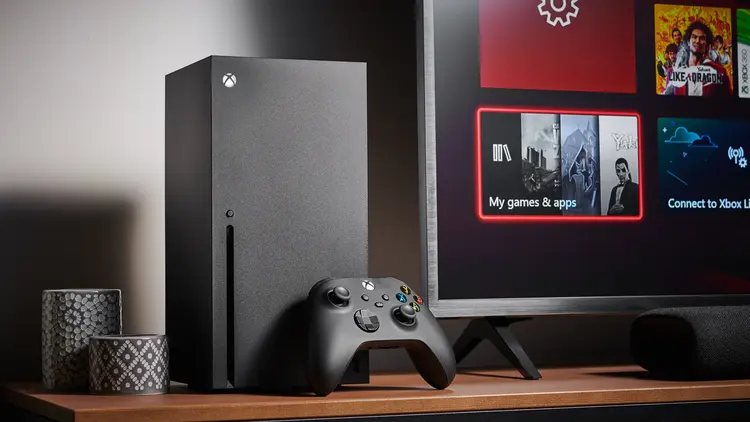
(327, 362)
(435, 363)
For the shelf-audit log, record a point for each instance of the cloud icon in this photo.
(682, 136)
(704, 142)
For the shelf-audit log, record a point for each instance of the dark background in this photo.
(663, 254)
(96, 238)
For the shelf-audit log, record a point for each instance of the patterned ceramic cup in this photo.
(129, 365)
(70, 317)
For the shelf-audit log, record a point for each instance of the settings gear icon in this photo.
(558, 14)
(742, 162)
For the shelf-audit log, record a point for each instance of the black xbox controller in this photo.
(351, 314)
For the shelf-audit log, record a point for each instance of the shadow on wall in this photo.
(50, 243)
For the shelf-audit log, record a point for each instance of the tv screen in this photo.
(584, 156)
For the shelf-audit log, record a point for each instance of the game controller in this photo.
(351, 314)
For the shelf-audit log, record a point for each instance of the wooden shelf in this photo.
(387, 394)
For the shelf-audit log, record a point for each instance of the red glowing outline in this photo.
(551, 218)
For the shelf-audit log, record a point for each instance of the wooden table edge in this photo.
(403, 406)
(37, 405)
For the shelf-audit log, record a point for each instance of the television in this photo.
(582, 156)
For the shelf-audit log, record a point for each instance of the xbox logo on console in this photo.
(229, 80)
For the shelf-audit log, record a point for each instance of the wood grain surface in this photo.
(386, 394)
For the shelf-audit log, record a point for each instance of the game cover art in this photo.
(580, 171)
(540, 147)
(743, 44)
(693, 51)
(542, 164)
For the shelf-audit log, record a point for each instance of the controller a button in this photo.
(418, 299)
(379, 304)
(366, 320)
(386, 297)
(415, 307)
(405, 289)
(339, 296)
(400, 297)
(365, 298)
(405, 315)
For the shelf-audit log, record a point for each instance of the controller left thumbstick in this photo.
(339, 296)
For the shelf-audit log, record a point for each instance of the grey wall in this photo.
(81, 152)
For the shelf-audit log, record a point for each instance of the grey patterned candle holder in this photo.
(129, 365)
(70, 317)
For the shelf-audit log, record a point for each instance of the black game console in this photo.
(354, 314)
(266, 193)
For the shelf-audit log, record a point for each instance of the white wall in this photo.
(82, 108)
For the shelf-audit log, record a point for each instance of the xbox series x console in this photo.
(266, 194)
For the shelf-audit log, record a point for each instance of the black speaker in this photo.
(693, 343)
(266, 194)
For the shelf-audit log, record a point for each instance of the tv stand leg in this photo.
(496, 330)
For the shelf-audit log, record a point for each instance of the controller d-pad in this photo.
(366, 320)
(401, 297)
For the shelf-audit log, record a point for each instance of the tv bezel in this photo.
(522, 307)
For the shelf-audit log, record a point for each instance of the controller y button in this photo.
(405, 289)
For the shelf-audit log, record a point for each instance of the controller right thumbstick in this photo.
(405, 314)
